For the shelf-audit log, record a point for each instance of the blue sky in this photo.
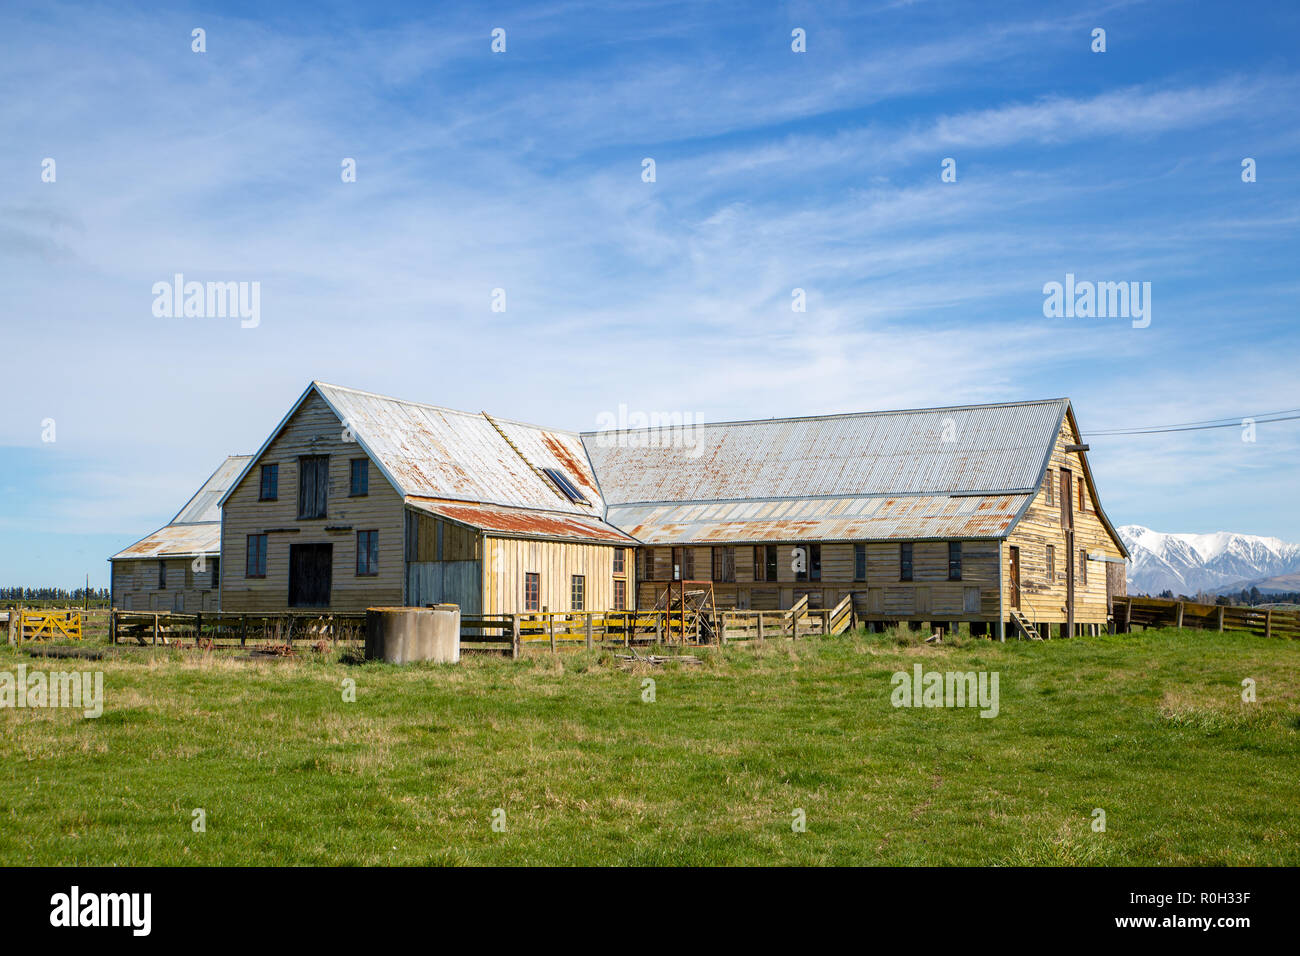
(522, 171)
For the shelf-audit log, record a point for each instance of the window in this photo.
(532, 591)
(255, 556)
(313, 485)
(1083, 566)
(1083, 506)
(765, 557)
(724, 563)
(620, 595)
(954, 560)
(683, 564)
(577, 593)
(360, 483)
(620, 566)
(812, 554)
(566, 485)
(367, 553)
(905, 562)
(216, 573)
(1051, 498)
(859, 562)
(162, 575)
(1051, 563)
(270, 490)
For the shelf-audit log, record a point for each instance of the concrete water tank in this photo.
(400, 635)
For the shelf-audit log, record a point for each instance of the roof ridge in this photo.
(834, 416)
(443, 408)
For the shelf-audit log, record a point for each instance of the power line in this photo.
(1285, 415)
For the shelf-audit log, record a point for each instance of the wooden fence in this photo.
(1158, 612)
(500, 633)
(47, 625)
(163, 627)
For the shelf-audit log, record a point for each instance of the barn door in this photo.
(310, 571)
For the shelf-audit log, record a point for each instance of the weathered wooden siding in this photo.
(135, 586)
(507, 560)
(312, 430)
(1043, 596)
(444, 562)
(930, 595)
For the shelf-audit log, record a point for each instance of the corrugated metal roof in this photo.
(979, 448)
(196, 529)
(206, 503)
(521, 522)
(434, 452)
(858, 518)
(176, 541)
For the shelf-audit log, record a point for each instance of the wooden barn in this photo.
(357, 500)
(982, 514)
(986, 514)
(177, 568)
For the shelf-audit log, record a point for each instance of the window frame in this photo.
(1083, 567)
(271, 470)
(577, 592)
(958, 561)
(364, 472)
(162, 574)
(533, 584)
(860, 563)
(1050, 559)
(620, 561)
(906, 561)
(255, 558)
(371, 544)
(620, 594)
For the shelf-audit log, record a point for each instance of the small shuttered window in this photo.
(313, 485)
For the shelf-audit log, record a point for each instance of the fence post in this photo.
(550, 626)
(588, 615)
(198, 627)
(112, 625)
(514, 637)
(659, 629)
(1220, 616)
(155, 628)
(1268, 623)
(1178, 614)
(760, 626)
(243, 630)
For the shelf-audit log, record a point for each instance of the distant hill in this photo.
(1220, 562)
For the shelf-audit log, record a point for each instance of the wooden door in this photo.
(311, 568)
(1015, 577)
(1067, 527)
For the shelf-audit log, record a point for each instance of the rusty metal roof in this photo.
(196, 529)
(176, 541)
(978, 448)
(433, 452)
(524, 523)
(860, 518)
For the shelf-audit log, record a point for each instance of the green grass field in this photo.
(1150, 728)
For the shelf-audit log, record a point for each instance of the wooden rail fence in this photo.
(162, 627)
(1159, 612)
(48, 625)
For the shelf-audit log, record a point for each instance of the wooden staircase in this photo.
(1027, 629)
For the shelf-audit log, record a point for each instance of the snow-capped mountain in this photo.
(1187, 563)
